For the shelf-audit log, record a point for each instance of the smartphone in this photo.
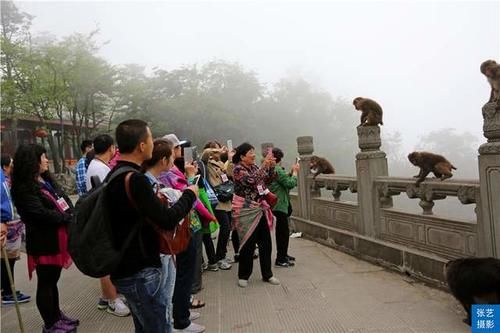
(229, 145)
(195, 153)
(297, 160)
(196, 179)
(188, 154)
(269, 152)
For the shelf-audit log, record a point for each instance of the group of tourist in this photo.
(222, 190)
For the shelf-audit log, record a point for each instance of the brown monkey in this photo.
(371, 112)
(492, 71)
(320, 165)
(429, 162)
(474, 281)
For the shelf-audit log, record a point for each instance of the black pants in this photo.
(235, 239)
(47, 295)
(5, 283)
(183, 282)
(197, 265)
(224, 219)
(262, 237)
(282, 236)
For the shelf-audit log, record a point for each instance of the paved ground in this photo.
(327, 291)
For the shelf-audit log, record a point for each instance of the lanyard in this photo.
(49, 188)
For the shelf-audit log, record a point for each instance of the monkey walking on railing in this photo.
(429, 162)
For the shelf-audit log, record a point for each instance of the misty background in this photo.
(265, 71)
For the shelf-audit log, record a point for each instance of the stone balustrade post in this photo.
(489, 178)
(305, 148)
(371, 163)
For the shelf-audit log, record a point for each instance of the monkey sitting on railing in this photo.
(320, 165)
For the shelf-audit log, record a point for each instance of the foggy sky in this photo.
(419, 60)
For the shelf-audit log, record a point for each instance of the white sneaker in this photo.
(118, 308)
(242, 283)
(273, 280)
(192, 328)
(224, 265)
(194, 315)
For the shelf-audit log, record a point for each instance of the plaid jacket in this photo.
(81, 171)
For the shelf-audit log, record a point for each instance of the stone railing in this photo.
(335, 183)
(371, 228)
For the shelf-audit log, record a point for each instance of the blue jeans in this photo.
(169, 272)
(147, 299)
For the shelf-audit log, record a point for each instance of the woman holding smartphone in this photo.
(281, 186)
(252, 212)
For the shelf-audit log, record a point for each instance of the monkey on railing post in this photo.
(491, 70)
(371, 111)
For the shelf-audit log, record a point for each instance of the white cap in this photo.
(174, 139)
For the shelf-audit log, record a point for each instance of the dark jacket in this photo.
(144, 249)
(42, 220)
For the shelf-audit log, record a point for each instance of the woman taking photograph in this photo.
(281, 186)
(46, 211)
(161, 161)
(252, 214)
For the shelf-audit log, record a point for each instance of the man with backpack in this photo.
(134, 208)
(104, 148)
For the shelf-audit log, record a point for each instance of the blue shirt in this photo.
(6, 201)
(81, 171)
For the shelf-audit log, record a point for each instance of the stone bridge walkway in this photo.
(327, 291)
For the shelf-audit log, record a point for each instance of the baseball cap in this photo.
(174, 139)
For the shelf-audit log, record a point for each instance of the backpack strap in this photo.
(111, 176)
(129, 171)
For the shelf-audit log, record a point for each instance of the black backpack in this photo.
(90, 235)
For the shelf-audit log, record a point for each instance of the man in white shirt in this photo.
(104, 148)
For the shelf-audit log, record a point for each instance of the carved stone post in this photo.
(489, 178)
(371, 162)
(305, 148)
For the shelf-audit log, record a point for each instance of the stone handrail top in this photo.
(334, 177)
(448, 184)
(467, 190)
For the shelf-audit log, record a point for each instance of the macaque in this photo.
(320, 165)
(492, 72)
(474, 281)
(371, 112)
(429, 162)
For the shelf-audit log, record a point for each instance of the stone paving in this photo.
(327, 291)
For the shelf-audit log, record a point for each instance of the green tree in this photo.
(14, 37)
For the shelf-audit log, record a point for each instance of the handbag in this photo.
(177, 240)
(224, 191)
(271, 198)
(170, 241)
